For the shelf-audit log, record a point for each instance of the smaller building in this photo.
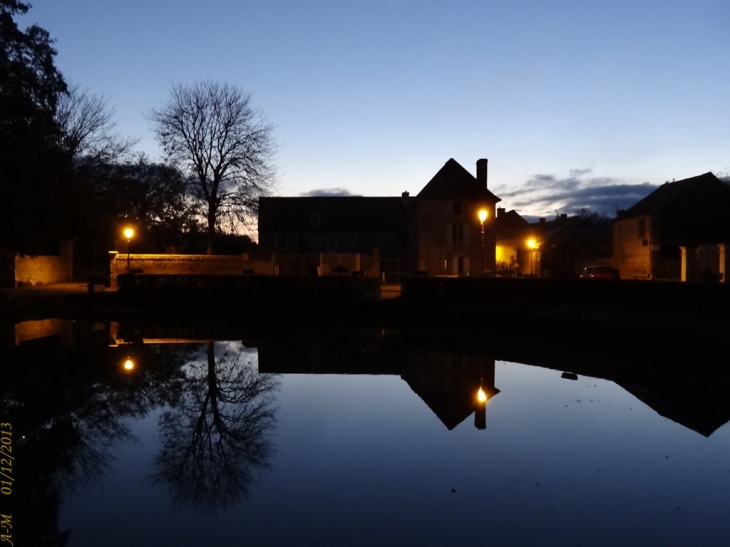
(678, 232)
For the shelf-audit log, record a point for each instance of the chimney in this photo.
(482, 172)
(500, 211)
(542, 220)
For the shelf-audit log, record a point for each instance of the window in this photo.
(315, 219)
(383, 241)
(642, 227)
(457, 232)
(458, 209)
(315, 242)
(282, 242)
(332, 243)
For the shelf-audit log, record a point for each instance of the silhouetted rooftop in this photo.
(511, 224)
(454, 182)
(669, 192)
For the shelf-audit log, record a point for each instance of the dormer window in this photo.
(315, 219)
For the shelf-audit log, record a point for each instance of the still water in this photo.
(365, 441)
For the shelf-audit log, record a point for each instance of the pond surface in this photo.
(367, 441)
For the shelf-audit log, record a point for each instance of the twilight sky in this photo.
(565, 97)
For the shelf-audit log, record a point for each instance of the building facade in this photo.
(436, 232)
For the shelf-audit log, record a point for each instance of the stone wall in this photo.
(632, 251)
(170, 264)
(42, 270)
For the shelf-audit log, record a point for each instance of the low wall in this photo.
(251, 288)
(42, 270)
(313, 264)
(169, 264)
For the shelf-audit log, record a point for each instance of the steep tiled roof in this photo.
(454, 182)
(669, 192)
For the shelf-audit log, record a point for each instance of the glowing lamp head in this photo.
(481, 396)
(128, 365)
(129, 233)
(482, 215)
(531, 243)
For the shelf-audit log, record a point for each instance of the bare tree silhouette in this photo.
(216, 436)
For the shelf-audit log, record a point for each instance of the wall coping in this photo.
(170, 258)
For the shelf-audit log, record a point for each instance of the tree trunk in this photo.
(211, 232)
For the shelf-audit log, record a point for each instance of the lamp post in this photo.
(129, 234)
(482, 218)
(531, 244)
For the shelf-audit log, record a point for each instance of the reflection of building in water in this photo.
(449, 384)
(445, 378)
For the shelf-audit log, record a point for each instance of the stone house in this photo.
(678, 232)
(438, 231)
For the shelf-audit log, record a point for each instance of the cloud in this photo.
(547, 195)
(327, 192)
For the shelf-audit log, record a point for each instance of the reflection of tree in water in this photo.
(67, 408)
(216, 435)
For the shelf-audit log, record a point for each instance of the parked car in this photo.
(599, 272)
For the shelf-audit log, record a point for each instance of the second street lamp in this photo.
(129, 234)
(482, 217)
(531, 244)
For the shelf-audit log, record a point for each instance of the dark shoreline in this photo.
(601, 331)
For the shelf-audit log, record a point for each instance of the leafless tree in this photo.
(87, 129)
(211, 131)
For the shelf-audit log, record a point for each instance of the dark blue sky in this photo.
(374, 96)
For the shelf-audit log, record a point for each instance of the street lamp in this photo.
(129, 234)
(482, 217)
(128, 364)
(531, 244)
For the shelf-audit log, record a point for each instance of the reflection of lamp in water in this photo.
(128, 365)
(480, 413)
